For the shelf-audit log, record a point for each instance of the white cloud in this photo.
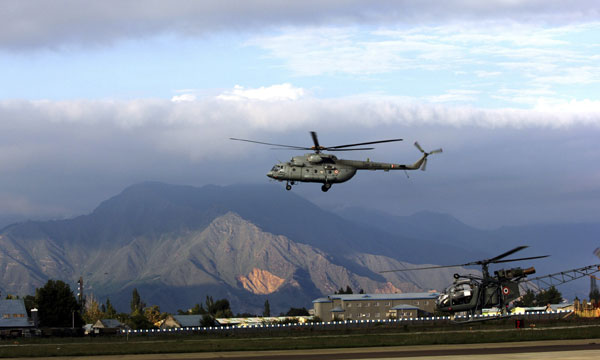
(42, 24)
(183, 98)
(77, 153)
(454, 96)
(270, 93)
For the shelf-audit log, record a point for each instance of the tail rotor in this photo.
(424, 166)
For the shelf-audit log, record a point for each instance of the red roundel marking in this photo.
(336, 171)
(505, 290)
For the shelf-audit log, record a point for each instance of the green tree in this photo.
(219, 308)
(92, 311)
(57, 305)
(550, 296)
(198, 309)
(137, 305)
(207, 320)
(110, 312)
(137, 321)
(526, 300)
(297, 312)
(595, 295)
(267, 309)
(30, 303)
(153, 314)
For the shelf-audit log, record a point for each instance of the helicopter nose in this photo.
(270, 174)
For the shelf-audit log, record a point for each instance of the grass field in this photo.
(298, 339)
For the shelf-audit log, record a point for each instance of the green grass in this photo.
(304, 338)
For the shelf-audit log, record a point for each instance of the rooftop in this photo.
(13, 314)
(380, 297)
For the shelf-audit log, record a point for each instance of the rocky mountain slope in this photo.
(178, 244)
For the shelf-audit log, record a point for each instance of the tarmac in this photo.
(556, 349)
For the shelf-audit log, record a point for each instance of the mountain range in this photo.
(249, 243)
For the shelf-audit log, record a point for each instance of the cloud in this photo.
(455, 96)
(183, 97)
(270, 93)
(42, 24)
(64, 157)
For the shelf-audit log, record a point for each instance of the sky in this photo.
(99, 96)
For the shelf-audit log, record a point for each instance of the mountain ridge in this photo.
(244, 242)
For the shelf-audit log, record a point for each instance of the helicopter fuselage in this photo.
(328, 169)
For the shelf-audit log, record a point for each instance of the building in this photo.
(13, 317)
(108, 326)
(180, 321)
(374, 306)
(264, 320)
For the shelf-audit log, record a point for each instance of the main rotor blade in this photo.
(435, 151)
(364, 143)
(509, 252)
(330, 149)
(526, 258)
(265, 143)
(424, 268)
(315, 139)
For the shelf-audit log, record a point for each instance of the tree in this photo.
(550, 296)
(92, 311)
(110, 311)
(137, 306)
(57, 305)
(595, 295)
(543, 298)
(297, 312)
(526, 300)
(207, 320)
(267, 310)
(138, 321)
(152, 313)
(341, 291)
(30, 303)
(219, 308)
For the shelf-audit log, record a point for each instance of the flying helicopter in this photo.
(327, 169)
(472, 293)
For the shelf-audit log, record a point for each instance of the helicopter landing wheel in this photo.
(325, 187)
(288, 187)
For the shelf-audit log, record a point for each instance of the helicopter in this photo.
(473, 293)
(327, 169)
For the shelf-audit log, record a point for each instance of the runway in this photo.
(561, 349)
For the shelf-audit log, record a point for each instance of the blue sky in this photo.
(486, 64)
(96, 96)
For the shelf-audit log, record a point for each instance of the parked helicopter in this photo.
(327, 169)
(472, 293)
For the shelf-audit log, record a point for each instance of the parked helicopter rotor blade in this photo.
(519, 259)
(265, 143)
(436, 151)
(501, 256)
(424, 166)
(423, 268)
(364, 143)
